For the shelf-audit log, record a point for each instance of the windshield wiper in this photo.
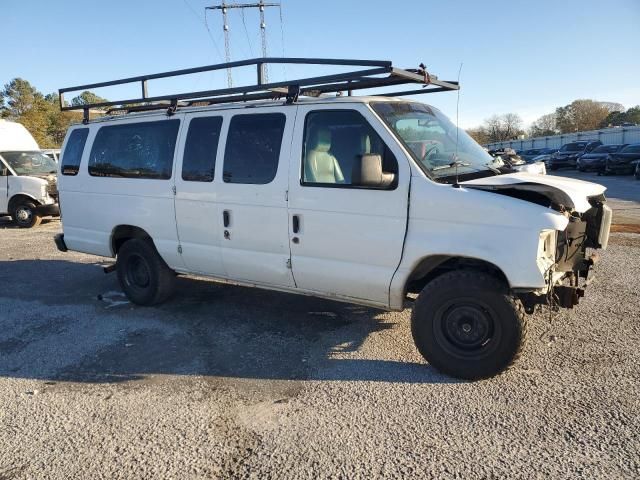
(455, 163)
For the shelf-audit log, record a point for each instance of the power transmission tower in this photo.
(261, 5)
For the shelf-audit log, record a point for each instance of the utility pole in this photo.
(261, 5)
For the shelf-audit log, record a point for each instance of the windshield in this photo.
(434, 141)
(30, 163)
(573, 147)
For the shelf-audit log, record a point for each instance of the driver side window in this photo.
(333, 142)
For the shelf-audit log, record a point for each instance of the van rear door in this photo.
(346, 240)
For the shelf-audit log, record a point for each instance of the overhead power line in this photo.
(204, 22)
(224, 7)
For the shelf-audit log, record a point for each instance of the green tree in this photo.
(23, 103)
(615, 119)
(581, 115)
(87, 98)
(58, 121)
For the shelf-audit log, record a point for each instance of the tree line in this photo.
(40, 114)
(578, 116)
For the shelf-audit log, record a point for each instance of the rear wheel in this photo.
(467, 325)
(25, 215)
(144, 276)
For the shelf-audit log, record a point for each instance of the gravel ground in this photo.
(230, 382)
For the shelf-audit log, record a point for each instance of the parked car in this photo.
(596, 159)
(568, 154)
(28, 187)
(624, 161)
(544, 157)
(514, 162)
(358, 199)
(529, 155)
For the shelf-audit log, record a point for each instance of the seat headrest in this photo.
(322, 140)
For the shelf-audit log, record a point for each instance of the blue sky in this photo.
(526, 57)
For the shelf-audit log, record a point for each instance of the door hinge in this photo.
(173, 189)
(289, 263)
(180, 249)
(286, 195)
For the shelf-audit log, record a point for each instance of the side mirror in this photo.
(367, 172)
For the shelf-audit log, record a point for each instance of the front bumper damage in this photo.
(575, 258)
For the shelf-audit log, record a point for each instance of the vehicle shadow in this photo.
(80, 328)
(7, 222)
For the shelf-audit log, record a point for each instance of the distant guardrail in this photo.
(607, 136)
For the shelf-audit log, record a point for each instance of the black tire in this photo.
(467, 325)
(143, 275)
(24, 215)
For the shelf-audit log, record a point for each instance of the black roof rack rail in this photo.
(378, 73)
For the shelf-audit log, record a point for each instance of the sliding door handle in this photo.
(296, 224)
(226, 217)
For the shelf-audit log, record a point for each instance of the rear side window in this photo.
(253, 148)
(73, 151)
(134, 150)
(199, 160)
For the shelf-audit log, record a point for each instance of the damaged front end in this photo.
(570, 273)
(565, 257)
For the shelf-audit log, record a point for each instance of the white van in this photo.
(28, 186)
(357, 199)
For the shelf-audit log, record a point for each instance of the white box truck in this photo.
(28, 181)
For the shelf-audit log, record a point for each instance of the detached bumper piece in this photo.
(59, 239)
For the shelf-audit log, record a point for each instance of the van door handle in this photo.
(296, 223)
(225, 218)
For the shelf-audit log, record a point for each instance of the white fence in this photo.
(605, 135)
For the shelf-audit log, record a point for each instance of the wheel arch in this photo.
(122, 233)
(431, 267)
(17, 198)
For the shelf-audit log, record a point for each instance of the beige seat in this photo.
(320, 166)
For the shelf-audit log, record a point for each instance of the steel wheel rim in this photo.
(467, 328)
(138, 273)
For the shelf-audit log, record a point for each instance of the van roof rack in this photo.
(379, 73)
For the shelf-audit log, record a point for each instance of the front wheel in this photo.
(467, 325)
(143, 275)
(25, 215)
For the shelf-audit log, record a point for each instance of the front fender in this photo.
(458, 222)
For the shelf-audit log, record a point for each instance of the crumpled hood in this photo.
(559, 191)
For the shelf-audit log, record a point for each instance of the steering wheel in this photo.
(432, 151)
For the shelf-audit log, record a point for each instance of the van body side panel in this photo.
(94, 206)
(350, 239)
